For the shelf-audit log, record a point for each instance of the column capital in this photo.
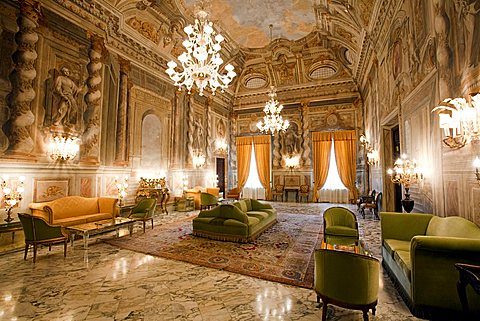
(124, 65)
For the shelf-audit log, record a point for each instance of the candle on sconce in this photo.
(476, 164)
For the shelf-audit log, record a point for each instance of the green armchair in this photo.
(144, 211)
(340, 226)
(37, 232)
(207, 200)
(347, 280)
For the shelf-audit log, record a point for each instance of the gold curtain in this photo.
(244, 153)
(322, 143)
(262, 156)
(345, 144)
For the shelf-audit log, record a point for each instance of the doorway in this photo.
(396, 153)
(220, 171)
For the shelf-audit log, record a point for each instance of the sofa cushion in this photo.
(396, 245)
(258, 214)
(99, 217)
(253, 221)
(341, 231)
(453, 226)
(269, 211)
(404, 262)
(249, 204)
(69, 221)
(242, 205)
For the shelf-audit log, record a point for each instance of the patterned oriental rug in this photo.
(283, 253)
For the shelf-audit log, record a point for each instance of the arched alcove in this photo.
(151, 141)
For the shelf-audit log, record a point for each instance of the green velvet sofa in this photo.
(419, 252)
(241, 221)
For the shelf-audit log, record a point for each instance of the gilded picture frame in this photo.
(49, 189)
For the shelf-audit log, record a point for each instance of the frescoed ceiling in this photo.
(247, 21)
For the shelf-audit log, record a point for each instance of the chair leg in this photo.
(318, 298)
(26, 250)
(363, 212)
(65, 248)
(34, 252)
(49, 247)
(324, 311)
(365, 315)
(143, 226)
(152, 222)
(373, 310)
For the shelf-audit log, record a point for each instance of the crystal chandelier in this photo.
(201, 62)
(272, 121)
(221, 146)
(460, 120)
(63, 148)
(198, 159)
(122, 188)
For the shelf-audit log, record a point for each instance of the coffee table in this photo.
(361, 248)
(93, 228)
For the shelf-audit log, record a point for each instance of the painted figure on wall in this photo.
(397, 58)
(198, 135)
(67, 110)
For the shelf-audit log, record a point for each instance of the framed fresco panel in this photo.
(292, 180)
(50, 189)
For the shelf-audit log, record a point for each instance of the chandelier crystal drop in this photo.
(272, 122)
(201, 62)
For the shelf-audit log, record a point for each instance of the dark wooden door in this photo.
(220, 165)
(396, 153)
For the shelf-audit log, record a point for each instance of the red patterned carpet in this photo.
(283, 253)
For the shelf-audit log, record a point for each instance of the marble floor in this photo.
(108, 283)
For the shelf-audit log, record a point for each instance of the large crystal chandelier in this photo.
(201, 62)
(63, 148)
(272, 121)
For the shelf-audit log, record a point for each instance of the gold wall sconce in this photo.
(12, 194)
(63, 148)
(373, 157)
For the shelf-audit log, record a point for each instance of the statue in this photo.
(67, 110)
(291, 140)
(198, 135)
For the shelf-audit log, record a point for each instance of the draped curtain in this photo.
(346, 156)
(321, 142)
(244, 153)
(262, 157)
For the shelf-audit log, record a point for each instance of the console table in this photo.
(11, 227)
(291, 189)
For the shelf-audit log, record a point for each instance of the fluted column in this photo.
(209, 142)
(444, 52)
(121, 142)
(91, 137)
(306, 136)
(190, 129)
(21, 78)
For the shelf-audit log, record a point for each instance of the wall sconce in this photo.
(198, 159)
(406, 173)
(12, 194)
(459, 120)
(476, 164)
(122, 188)
(373, 158)
(185, 183)
(292, 161)
(63, 148)
(221, 146)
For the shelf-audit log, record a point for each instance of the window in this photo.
(253, 181)
(333, 179)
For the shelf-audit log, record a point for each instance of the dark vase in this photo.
(407, 203)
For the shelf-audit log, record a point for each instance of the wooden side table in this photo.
(469, 274)
(11, 227)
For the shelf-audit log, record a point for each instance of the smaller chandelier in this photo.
(201, 62)
(63, 148)
(372, 154)
(292, 161)
(459, 120)
(12, 195)
(272, 121)
(221, 146)
(198, 159)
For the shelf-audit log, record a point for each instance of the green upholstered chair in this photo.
(37, 231)
(340, 226)
(207, 200)
(347, 280)
(144, 211)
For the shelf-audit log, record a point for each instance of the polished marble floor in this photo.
(107, 283)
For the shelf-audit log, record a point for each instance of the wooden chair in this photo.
(278, 191)
(304, 192)
(234, 193)
(365, 198)
(38, 232)
(374, 206)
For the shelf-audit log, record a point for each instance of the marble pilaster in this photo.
(121, 141)
(305, 135)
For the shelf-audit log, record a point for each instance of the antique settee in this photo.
(242, 221)
(419, 252)
(74, 210)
